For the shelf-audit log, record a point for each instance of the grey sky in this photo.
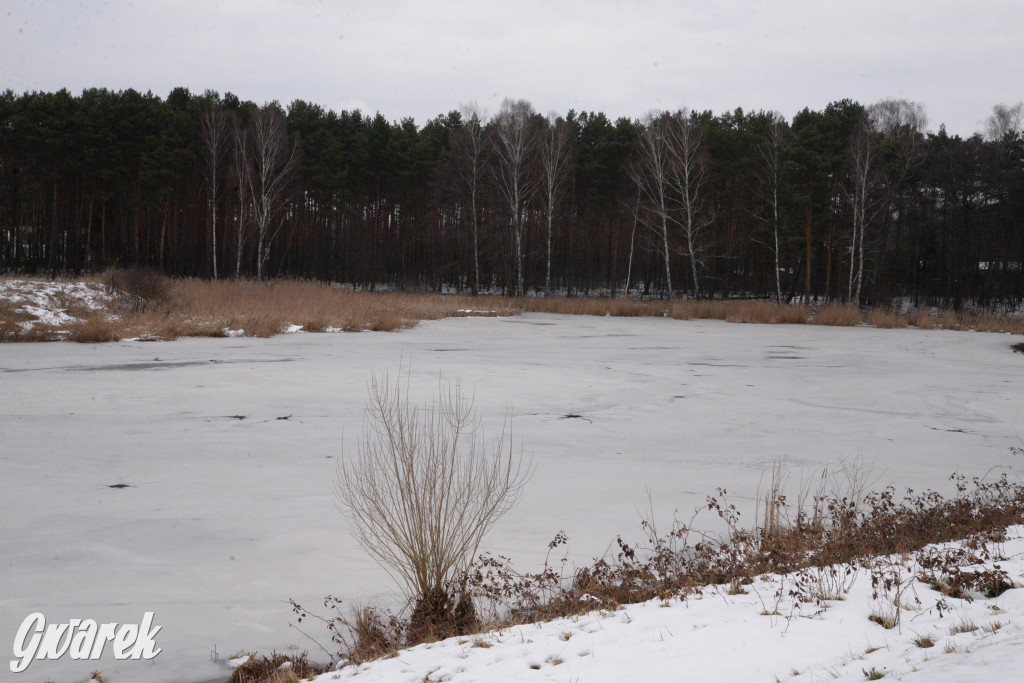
(422, 59)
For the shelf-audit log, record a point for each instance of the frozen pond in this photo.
(228, 450)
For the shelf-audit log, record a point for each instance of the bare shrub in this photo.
(363, 632)
(837, 314)
(139, 287)
(422, 492)
(825, 545)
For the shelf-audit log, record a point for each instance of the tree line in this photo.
(852, 202)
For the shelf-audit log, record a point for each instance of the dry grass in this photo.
(94, 328)
(201, 308)
(740, 311)
(162, 308)
(887, 318)
(276, 668)
(838, 315)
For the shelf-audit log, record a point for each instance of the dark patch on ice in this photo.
(144, 366)
(575, 416)
(719, 365)
(1018, 348)
(234, 417)
(446, 350)
(285, 417)
(951, 431)
(150, 365)
(653, 348)
(778, 357)
(120, 486)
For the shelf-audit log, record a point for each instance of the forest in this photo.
(855, 203)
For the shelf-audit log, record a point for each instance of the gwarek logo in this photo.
(82, 639)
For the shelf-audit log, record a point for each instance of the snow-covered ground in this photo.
(50, 303)
(762, 636)
(228, 449)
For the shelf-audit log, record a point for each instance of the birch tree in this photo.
(690, 175)
(242, 171)
(214, 131)
(895, 126)
(555, 161)
(470, 146)
(768, 191)
(514, 151)
(652, 171)
(273, 160)
(865, 179)
(1004, 122)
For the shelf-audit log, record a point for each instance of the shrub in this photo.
(422, 492)
(842, 533)
(140, 287)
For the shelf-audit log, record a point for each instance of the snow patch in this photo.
(50, 303)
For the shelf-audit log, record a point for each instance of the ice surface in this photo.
(228, 450)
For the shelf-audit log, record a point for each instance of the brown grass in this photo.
(887, 318)
(94, 328)
(742, 311)
(277, 668)
(838, 315)
(173, 308)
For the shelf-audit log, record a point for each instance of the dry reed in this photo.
(203, 308)
(837, 314)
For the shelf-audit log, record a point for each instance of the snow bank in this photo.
(763, 635)
(49, 303)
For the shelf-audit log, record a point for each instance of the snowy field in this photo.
(227, 448)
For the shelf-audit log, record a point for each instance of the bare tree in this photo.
(273, 160)
(425, 488)
(768, 190)
(670, 173)
(861, 192)
(652, 172)
(872, 184)
(691, 173)
(901, 125)
(214, 129)
(555, 161)
(1004, 121)
(242, 171)
(470, 147)
(516, 139)
(632, 240)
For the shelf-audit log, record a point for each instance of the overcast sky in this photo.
(425, 58)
